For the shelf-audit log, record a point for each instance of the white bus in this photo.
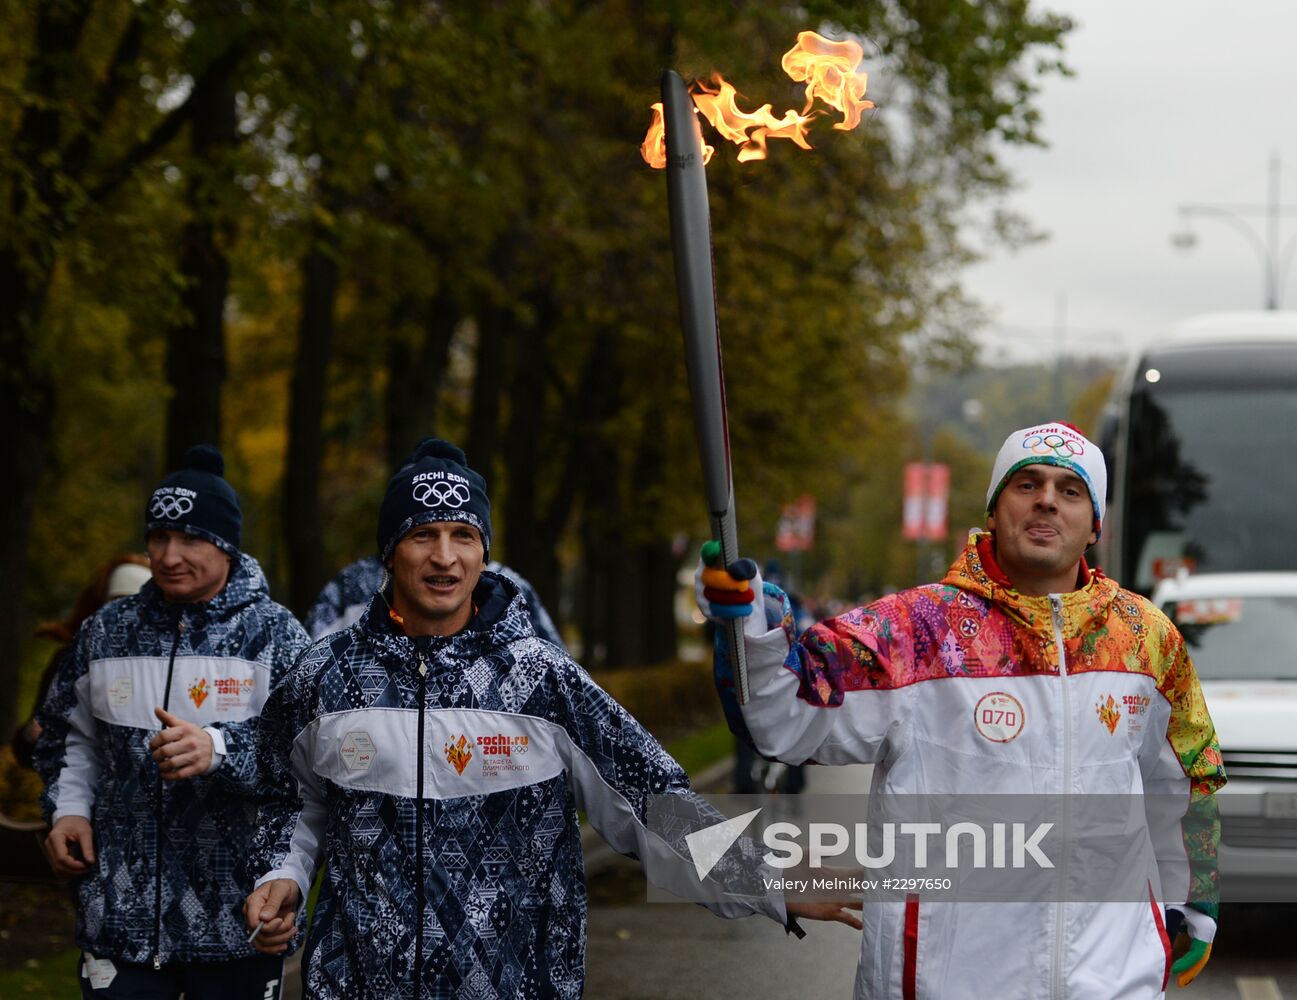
(1200, 435)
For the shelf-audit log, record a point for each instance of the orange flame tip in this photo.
(831, 73)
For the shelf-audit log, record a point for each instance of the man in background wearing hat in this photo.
(959, 688)
(433, 756)
(148, 754)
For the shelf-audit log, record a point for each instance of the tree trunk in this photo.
(196, 347)
(414, 380)
(531, 544)
(493, 329)
(26, 264)
(26, 411)
(301, 492)
(655, 563)
(603, 573)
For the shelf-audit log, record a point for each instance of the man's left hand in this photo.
(1192, 944)
(182, 750)
(828, 909)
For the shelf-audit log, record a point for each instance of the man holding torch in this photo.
(1019, 619)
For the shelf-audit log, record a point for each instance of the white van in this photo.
(1241, 630)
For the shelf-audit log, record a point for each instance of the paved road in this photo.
(668, 951)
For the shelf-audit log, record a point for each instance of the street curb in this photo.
(598, 855)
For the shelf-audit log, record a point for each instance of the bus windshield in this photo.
(1211, 472)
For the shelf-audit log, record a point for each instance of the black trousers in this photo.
(260, 977)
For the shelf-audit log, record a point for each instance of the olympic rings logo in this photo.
(1054, 444)
(170, 507)
(441, 494)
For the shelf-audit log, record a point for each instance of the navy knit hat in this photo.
(198, 501)
(434, 484)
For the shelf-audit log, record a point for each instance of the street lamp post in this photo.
(1274, 258)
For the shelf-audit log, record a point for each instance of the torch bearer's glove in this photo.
(727, 593)
(1199, 929)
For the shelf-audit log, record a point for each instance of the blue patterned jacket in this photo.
(440, 778)
(345, 598)
(180, 844)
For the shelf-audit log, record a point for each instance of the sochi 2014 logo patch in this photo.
(458, 753)
(1109, 713)
(198, 692)
(999, 717)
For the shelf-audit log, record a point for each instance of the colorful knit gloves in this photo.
(724, 594)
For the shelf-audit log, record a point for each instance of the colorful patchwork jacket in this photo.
(959, 688)
(169, 881)
(345, 598)
(438, 781)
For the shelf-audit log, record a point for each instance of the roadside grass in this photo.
(50, 978)
(702, 748)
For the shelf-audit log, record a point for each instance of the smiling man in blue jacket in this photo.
(434, 755)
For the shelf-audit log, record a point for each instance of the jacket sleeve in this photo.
(292, 815)
(798, 709)
(326, 610)
(638, 798)
(540, 619)
(1185, 759)
(238, 740)
(67, 754)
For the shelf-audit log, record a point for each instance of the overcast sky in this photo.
(1174, 102)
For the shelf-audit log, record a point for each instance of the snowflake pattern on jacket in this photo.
(222, 657)
(443, 805)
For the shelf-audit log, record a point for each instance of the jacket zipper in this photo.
(418, 840)
(160, 838)
(1060, 927)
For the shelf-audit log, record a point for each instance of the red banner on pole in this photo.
(925, 501)
(934, 520)
(796, 531)
(912, 504)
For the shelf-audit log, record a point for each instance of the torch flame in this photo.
(830, 71)
(654, 146)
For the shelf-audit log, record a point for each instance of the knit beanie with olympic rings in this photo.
(198, 501)
(435, 484)
(1058, 444)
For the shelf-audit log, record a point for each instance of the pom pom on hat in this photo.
(204, 458)
(437, 448)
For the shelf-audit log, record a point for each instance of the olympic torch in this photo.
(695, 286)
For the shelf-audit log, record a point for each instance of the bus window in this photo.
(1209, 481)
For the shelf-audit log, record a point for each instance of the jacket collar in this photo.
(245, 584)
(977, 572)
(501, 618)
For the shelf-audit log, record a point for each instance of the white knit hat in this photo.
(1052, 444)
(126, 579)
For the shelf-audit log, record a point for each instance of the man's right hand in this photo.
(726, 593)
(273, 905)
(70, 846)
